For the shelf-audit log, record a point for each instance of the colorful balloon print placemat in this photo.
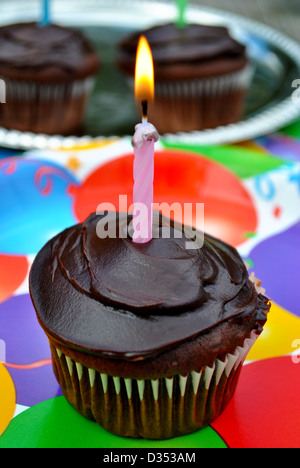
(251, 194)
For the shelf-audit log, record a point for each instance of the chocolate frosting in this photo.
(197, 49)
(124, 300)
(29, 47)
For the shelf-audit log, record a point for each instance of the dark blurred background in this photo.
(283, 15)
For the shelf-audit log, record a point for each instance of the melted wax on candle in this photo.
(144, 131)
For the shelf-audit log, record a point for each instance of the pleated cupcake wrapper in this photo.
(231, 362)
(88, 389)
(31, 91)
(206, 86)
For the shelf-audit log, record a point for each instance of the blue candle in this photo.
(46, 13)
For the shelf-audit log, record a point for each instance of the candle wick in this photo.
(145, 110)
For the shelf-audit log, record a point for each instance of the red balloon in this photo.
(180, 177)
(265, 410)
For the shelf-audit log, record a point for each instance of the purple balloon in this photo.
(27, 352)
(276, 263)
(281, 145)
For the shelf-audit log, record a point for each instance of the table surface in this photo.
(252, 196)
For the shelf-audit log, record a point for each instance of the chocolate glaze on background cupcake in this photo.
(48, 72)
(146, 339)
(201, 75)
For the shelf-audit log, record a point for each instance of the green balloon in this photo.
(243, 162)
(55, 424)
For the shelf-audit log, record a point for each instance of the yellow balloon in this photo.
(280, 333)
(93, 144)
(7, 398)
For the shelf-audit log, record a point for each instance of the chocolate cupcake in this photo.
(146, 339)
(201, 75)
(48, 72)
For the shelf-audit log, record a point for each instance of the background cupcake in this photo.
(201, 75)
(148, 340)
(48, 72)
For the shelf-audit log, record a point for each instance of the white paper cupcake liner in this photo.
(154, 409)
(30, 91)
(213, 86)
(45, 108)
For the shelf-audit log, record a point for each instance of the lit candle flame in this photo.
(144, 72)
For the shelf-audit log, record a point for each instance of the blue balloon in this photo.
(35, 203)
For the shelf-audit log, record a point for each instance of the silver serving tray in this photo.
(112, 111)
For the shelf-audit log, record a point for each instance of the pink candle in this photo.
(143, 173)
(143, 143)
